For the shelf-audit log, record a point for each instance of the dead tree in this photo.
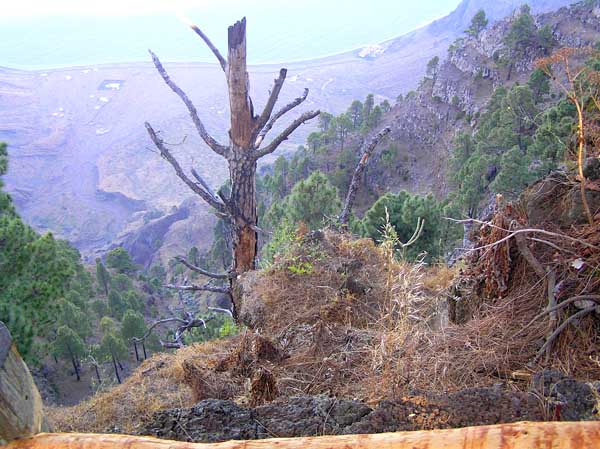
(358, 171)
(246, 137)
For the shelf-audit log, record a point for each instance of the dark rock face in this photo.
(219, 420)
(553, 396)
(570, 400)
(209, 420)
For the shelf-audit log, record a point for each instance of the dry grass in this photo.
(343, 317)
(157, 384)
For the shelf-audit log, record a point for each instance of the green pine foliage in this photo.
(404, 210)
(478, 24)
(119, 259)
(518, 140)
(311, 201)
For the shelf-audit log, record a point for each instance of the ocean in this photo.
(289, 32)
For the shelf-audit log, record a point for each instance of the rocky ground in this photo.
(551, 396)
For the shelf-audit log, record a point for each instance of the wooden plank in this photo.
(21, 412)
(523, 435)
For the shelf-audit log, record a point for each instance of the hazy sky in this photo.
(39, 34)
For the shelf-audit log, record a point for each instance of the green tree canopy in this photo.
(404, 210)
(69, 346)
(478, 24)
(132, 325)
(102, 276)
(311, 201)
(120, 260)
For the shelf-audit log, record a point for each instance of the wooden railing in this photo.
(543, 435)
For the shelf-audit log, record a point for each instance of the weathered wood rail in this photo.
(21, 412)
(523, 435)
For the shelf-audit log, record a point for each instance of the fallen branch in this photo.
(559, 306)
(518, 231)
(221, 310)
(560, 328)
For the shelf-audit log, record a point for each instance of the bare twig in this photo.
(210, 45)
(157, 323)
(559, 306)
(208, 139)
(204, 184)
(221, 310)
(360, 168)
(519, 231)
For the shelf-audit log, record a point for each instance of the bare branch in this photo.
(286, 133)
(288, 107)
(202, 288)
(518, 231)
(165, 153)
(562, 327)
(157, 323)
(219, 309)
(273, 96)
(561, 305)
(360, 168)
(208, 139)
(204, 184)
(210, 45)
(182, 261)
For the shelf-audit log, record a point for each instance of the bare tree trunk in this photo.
(360, 168)
(116, 368)
(246, 135)
(137, 356)
(74, 362)
(144, 349)
(97, 373)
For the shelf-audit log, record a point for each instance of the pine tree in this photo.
(102, 276)
(120, 260)
(355, 112)
(310, 202)
(116, 304)
(112, 348)
(133, 326)
(69, 345)
(478, 24)
(72, 316)
(405, 210)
